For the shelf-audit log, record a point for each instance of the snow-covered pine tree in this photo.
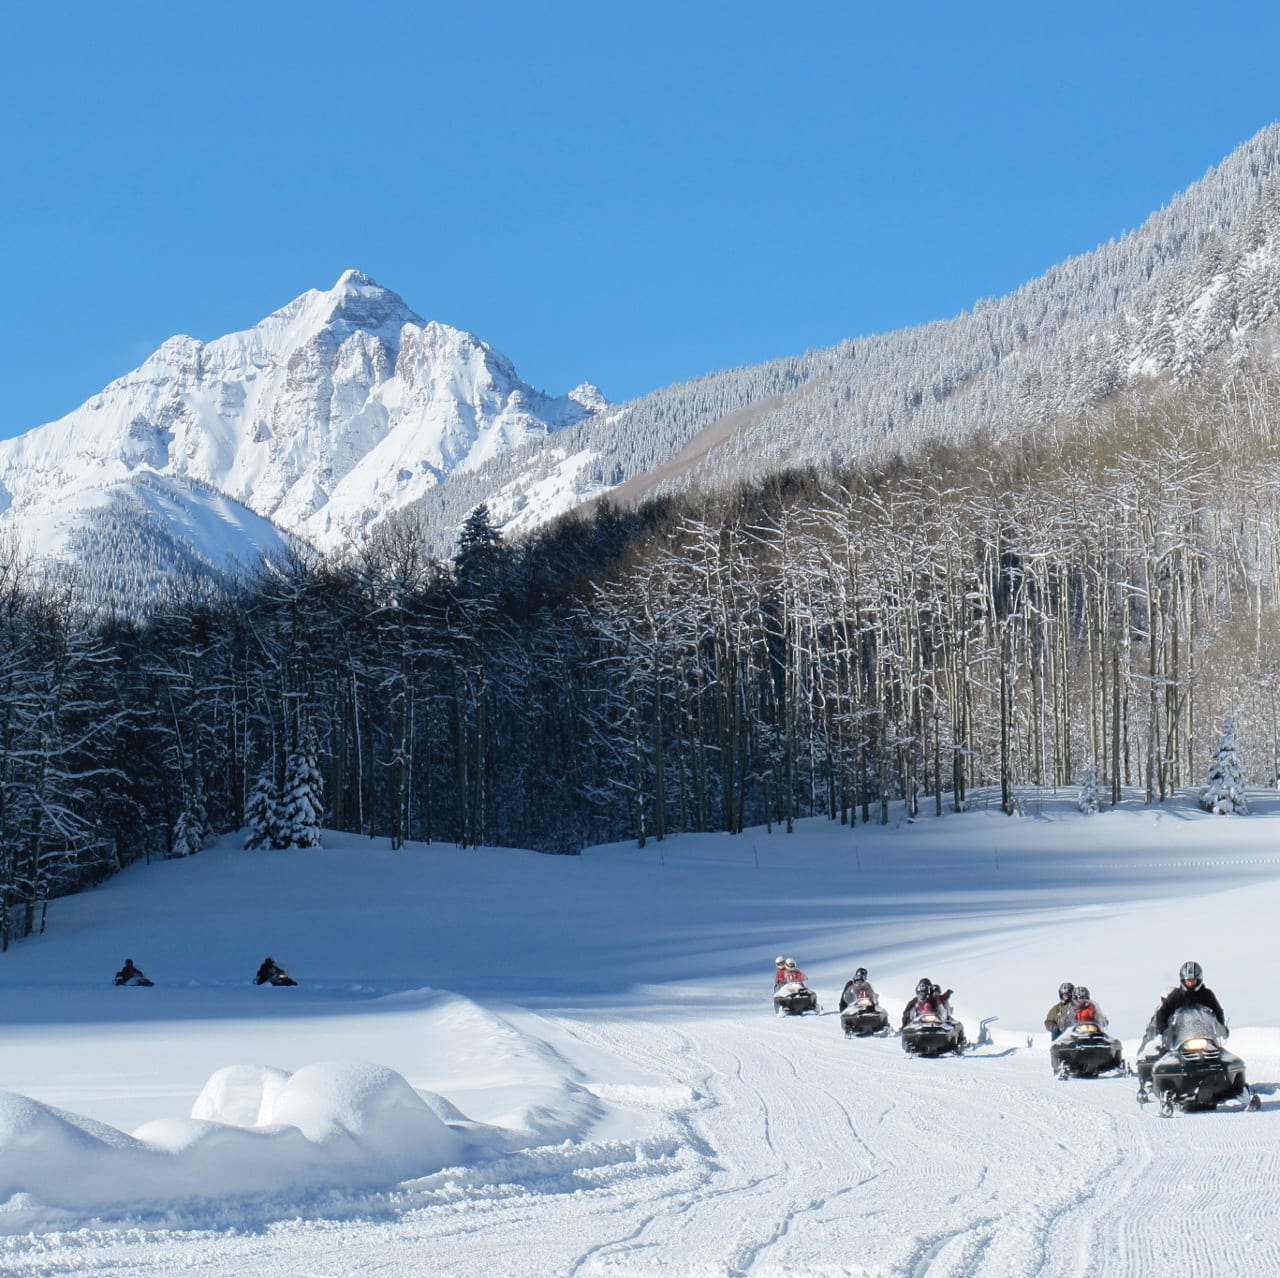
(1089, 799)
(301, 804)
(187, 836)
(261, 812)
(192, 830)
(1225, 790)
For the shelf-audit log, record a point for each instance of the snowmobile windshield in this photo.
(1194, 1022)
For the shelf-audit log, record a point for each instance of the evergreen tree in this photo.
(480, 549)
(1089, 799)
(1225, 790)
(191, 831)
(301, 804)
(261, 813)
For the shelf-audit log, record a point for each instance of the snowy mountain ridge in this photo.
(333, 411)
(1198, 282)
(345, 408)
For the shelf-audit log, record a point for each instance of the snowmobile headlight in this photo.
(930, 1019)
(1198, 1045)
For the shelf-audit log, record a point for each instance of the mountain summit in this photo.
(333, 411)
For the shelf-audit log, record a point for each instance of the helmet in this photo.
(935, 990)
(128, 962)
(1065, 991)
(1082, 993)
(790, 963)
(860, 974)
(1191, 971)
(779, 961)
(924, 986)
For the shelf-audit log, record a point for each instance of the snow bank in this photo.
(254, 1131)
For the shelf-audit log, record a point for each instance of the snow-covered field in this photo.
(504, 1063)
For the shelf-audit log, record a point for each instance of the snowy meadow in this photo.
(502, 1062)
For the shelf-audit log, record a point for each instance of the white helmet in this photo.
(779, 961)
(791, 963)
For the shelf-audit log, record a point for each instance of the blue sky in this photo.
(632, 194)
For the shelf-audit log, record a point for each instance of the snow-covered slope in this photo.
(127, 538)
(596, 1083)
(338, 408)
(1201, 277)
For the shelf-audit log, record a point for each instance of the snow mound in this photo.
(254, 1131)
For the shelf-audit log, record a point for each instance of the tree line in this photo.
(1090, 603)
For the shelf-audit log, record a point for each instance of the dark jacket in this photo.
(1181, 997)
(127, 973)
(269, 969)
(937, 1004)
(855, 990)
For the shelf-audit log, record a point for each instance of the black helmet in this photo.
(1191, 971)
(860, 974)
(1082, 993)
(924, 986)
(1066, 991)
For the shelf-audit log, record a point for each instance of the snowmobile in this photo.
(1085, 1050)
(271, 973)
(931, 1034)
(794, 999)
(862, 1017)
(1195, 1071)
(134, 980)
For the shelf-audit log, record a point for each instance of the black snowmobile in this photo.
(863, 1017)
(794, 999)
(932, 1034)
(1194, 1071)
(271, 973)
(1085, 1050)
(131, 974)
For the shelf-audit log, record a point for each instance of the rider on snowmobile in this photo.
(780, 976)
(1191, 991)
(858, 987)
(270, 972)
(928, 998)
(1055, 1017)
(129, 972)
(791, 974)
(1084, 1010)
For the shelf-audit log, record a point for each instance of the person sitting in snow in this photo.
(1055, 1019)
(130, 974)
(858, 987)
(271, 973)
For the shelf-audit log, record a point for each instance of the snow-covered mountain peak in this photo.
(330, 413)
(354, 302)
(590, 396)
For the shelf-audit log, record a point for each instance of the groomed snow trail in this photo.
(776, 1146)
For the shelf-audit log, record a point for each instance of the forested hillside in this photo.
(1198, 277)
(1097, 596)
